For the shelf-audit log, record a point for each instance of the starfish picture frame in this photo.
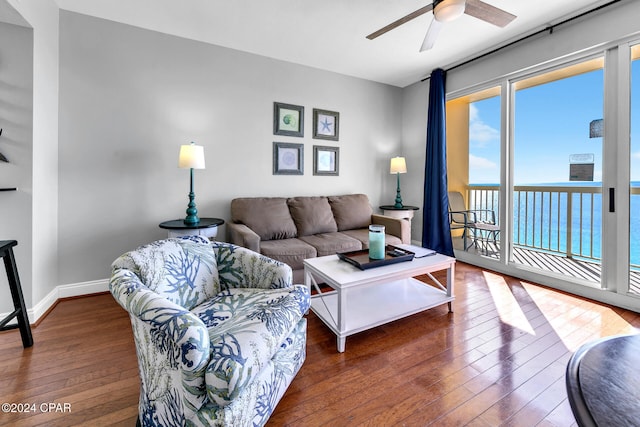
(326, 124)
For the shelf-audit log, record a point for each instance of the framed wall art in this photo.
(288, 159)
(288, 119)
(326, 160)
(326, 124)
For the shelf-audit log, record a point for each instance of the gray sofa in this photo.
(293, 229)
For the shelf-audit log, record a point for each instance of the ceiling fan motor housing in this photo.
(448, 10)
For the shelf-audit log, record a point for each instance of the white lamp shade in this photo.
(448, 10)
(398, 165)
(191, 156)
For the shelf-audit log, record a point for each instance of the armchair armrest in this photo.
(239, 267)
(395, 226)
(473, 216)
(241, 235)
(180, 329)
(465, 217)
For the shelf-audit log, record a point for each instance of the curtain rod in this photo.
(549, 29)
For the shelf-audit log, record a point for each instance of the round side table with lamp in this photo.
(404, 212)
(207, 227)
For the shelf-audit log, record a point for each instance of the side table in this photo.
(602, 382)
(207, 227)
(405, 212)
(20, 312)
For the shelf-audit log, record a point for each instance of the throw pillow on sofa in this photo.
(312, 215)
(351, 211)
(268, 216)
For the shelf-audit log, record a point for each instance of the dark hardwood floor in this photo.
(499, 359)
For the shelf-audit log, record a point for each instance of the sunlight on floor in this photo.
(506, 303)
(574, 320)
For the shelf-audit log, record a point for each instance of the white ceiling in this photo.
(330, 34)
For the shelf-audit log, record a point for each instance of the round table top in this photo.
(178, 224)
(403, 208)
(602, 385)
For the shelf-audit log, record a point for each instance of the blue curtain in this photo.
(436, 234)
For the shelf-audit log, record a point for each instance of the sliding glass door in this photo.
(555, 154)
(557, 171)
(474, 153)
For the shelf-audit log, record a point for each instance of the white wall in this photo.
(130, 97)
(38, 267)
(415, 101)
(16, 143)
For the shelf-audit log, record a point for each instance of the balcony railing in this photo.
(565, 220)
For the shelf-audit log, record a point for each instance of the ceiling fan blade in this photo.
(404, 19)
(432, 35)
(486, 12)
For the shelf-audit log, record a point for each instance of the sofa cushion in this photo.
(362, 234)
(269, 217)
(182, 270)
(351, 211)
(289, 251)
(331, 243)
(312, 215)
(246, 329)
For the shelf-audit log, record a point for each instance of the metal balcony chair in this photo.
(473, 222)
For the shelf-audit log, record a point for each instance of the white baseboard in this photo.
(62, 291)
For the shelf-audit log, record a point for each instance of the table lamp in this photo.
(191, 157)
(398, 166)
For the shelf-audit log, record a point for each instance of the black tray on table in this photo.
(361, 260)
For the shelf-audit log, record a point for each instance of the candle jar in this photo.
(376, 241)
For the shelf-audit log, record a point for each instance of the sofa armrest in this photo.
(395, 226)
(239, 267)
(241, 235)
(178, 328)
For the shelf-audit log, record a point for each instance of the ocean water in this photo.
(540, 219)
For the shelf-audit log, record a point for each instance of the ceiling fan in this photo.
(447, 11)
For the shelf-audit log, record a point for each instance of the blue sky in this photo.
(551, 124)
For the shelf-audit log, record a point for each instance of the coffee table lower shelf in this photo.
(371, 306)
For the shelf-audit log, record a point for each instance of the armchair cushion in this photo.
(240, 267)
(183, 271)
(246, 328)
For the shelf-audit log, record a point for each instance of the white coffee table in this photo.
(362, 300)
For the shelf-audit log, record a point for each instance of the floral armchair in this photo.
(218, 329)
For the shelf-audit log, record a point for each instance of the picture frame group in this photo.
(288, 158)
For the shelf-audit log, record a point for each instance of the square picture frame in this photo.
(326, 160)
(288, 158)
(326, 124)
(288, 119)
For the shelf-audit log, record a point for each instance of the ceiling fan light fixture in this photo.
(448, 10)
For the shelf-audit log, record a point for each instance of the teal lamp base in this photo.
(398, 204)
(192, 212)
